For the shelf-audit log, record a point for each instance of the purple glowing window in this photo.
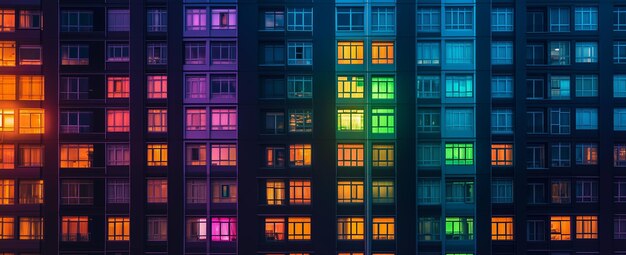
(223, 229)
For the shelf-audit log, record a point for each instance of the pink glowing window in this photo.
(118, 121)
(223, 229)
(196, 19)
(223, 155)
(196, 119)
(157, 86)
(118, 87)
(224, 119)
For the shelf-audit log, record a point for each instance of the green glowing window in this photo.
(459, 154)
(459, 228)
(350, 87)
(383, 121)
(383, 87)
(350, 119)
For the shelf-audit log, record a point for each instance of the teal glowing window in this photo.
(350, 87)
(383, 87)
(459, 228)
(459, 86)
(350, 119)
(459, 154)
(383, 121)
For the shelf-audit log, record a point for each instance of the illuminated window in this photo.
(118, 155)
(7, 87)
(118, 121)
(350, 119)
(223, 18)
(118, 229)
(7, 192)
(299, 228)
(223, 229)
(274, 192)
(300, 120)
(31, 228)
(196, 119)
(75, 228)
(31, 87)
(157, 86)
(350, 253)
(196, 191)
(459, 228)
(350, 53)
(157, 154)
(383, 155)
(383, 121)
(349, 155)
(7, 228)
(76, 192)
(501, 154)
(350, 86)
(157, 120)
(157, 228)
(224, 191)
(157, 191)
(223, 119)
(299, 192)
(7, 20)
(382, 191)
(76, 155)
(383, 228)
(586, 227)
(619, 155)
(274, 157)
(196, 154)
(586, 154)
(382, 52)
(223, 155)
(7, 120)
(299, 155)
(118, 87)
(460, 86)
(196, 19)
(274, 229)
(383, 87)
(350, 191)
(31, 192)
(351, 228)
(429, 229)
(560, 228)
(7, 53)
(196, 229)
(7, 156)
(459, 154)
(501, 228)
(31, 121)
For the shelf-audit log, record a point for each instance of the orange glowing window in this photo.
(118, 229)
(350, 191)
(7, 120)
(76, 155)
(274, 229)
(31, 228)
(7, 20)
(501, 154)
(157, 154)
(299, 228)
(300, 192)
(299, 155)
(560, 228)
(7, 87)
(7, 156)
(501, 228)
(7, 193)
(275, 192)
(383, 228)
(118, 87)
(7, 228)
(7, 53)
(157, 86)
(586, 227)
(75, 228)
(31, 121)
(382, 52)
(350, 53)
(118, 121)
(350, 155)
(350, 228)
(31, 87)
(157, 120)
(223, 154)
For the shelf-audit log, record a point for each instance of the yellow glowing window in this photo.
(118, 121)
(299, 228)
(7, 20)
(350, 228)
(586, 227)
(157, 86)
(501, 228)
(274, 229)
(300, 192)
(31, 121)
(157, 154)
(7, 193)
(7, 228)
(383, 228)
(157, 120)
(7, 53)
(350, 155)
(7, 156)
(350, 53)
(75, 228)
(383, 192)
(31, 228)
(350, 119)
(350, 87)
(7, 120)
(118, 87)
(382, 52)
(299, 155)
(223, 154)
(383, 155)
(7, 87)
(275, 192)
(118, 229)
(501, 154)
(350, 191)
(76, 155)
(560, 228)
(31, 87)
